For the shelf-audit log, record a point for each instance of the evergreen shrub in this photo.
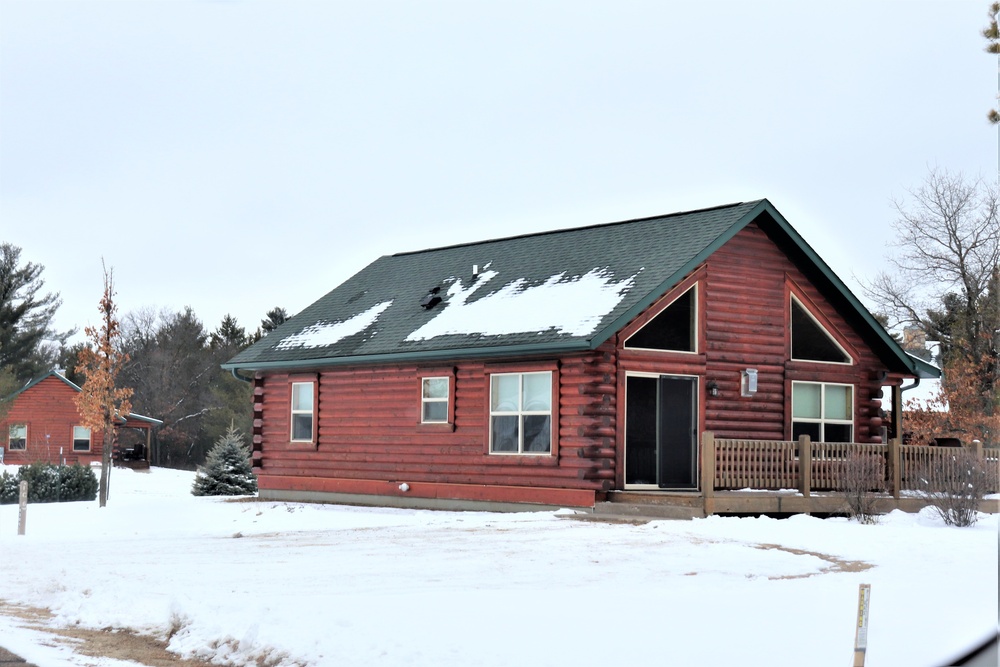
(49, 483)
(227, 470)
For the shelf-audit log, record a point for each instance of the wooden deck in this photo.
(650, 505)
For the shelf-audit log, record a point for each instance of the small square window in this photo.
(434, 395)
(81, 439)
(17, 437)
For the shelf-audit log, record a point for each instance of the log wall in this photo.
(369, 430)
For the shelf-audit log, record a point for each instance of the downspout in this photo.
(238, 376)
(916, 383)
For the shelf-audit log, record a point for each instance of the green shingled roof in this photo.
(602, 276)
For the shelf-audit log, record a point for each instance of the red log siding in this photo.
(369, 429)
(49, 409)
(744, 321)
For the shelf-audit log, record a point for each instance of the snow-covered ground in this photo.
(330, 585)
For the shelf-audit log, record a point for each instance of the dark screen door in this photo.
(661, 431)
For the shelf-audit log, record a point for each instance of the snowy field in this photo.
(296, 584)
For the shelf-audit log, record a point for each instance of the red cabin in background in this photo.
(44, 425)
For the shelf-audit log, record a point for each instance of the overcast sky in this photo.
(235, 156)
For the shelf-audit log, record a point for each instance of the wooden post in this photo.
(861, 629)
(895, 469)
(708, 471)
(805, 465)
(976, 447)
(22, 516)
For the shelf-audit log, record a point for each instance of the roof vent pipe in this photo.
(475, 271)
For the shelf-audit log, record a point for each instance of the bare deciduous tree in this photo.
(945, 275)
(100, 401)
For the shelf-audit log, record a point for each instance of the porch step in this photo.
(613, 510)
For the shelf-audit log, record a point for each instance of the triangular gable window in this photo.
(672, 330)
(811, 342)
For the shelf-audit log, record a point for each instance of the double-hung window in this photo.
(521, 413)
(81, 439)
(434, 393)
(823, 411)
(17, 437)
(303, 411)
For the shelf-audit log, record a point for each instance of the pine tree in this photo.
(227, 470)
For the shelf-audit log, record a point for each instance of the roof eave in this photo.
(495, 351)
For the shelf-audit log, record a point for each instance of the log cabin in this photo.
(42, 424)
(553, 368)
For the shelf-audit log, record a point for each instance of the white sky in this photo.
(234, 156)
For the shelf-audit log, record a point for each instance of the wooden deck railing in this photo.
(808, 466)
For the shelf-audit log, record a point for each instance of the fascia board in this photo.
(430, 355)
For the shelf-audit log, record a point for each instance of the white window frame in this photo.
(10, 437)
(831, 337)
(521, 413)
(89, 438)
(311, 412)
(823, 420)
(424, 400)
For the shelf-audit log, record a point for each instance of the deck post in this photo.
(805, 465)
(976, 447)
(708, 471)
(895, 470)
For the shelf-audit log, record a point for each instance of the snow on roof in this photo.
(328, 333)
(573, 306)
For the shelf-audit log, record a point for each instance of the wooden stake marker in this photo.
(22, 514)
(861, 630)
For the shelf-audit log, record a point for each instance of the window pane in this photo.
(811, 341)
(18, 436)
(837, 432)
(537, 391)
(806, 401)
(672, 329)
(504, 430)
(81, 433)
(805, 428)
(838, 403)
(302, 396)
(503, 393)
(435, 411)
(537, 433)
(302, 426)
(435, 387)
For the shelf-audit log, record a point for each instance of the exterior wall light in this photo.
(712, 387)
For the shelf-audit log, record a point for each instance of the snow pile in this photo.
(322, 333)
(297, 584)
(573, 306)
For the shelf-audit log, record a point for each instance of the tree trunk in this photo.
(106, 464)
